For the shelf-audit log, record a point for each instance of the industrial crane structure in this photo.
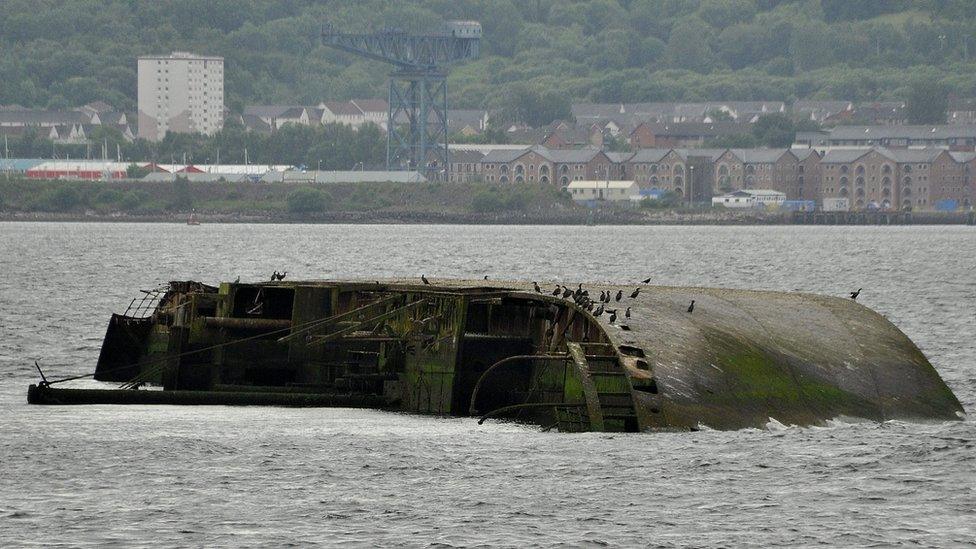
(417, 118)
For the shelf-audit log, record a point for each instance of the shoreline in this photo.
(603, 218)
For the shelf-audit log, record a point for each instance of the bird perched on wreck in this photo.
(579, 291)
(567, 292)
(634, 294)
(424, 278)
(603, 295)
(855, 294)
(535, 284)
(613, 316)
(274, 276)
(281, 275)
(627, 313)
(620, 295)
(557, 290)
(599, 310)
(646, 281)
(691, 307)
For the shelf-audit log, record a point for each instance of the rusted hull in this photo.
(503, 349)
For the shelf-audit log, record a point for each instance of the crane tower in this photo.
(417, 119)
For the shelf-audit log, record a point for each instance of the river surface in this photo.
(229, 477)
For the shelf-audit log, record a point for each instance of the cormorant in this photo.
(567, 292)
(236, 280)
(599, 310)
(274, 276)
(634, 295)
(620, 295)
(557, 290)
(646, 281)
(281, 276)
(613, 316)
(855, 294)
(627, 313)
(538, 290)
(603, 295)
(486, 277)
(692, 306)
(424, 278)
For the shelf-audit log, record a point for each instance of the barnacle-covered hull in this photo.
(497, 348)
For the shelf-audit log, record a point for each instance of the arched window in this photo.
(503, 179)
(906, 192)
(654, 180)
(859, 192)
(519, 169)
(503, 169)
(886, 182)
(886, 192)
(886, 169)
(653, 168)
(907, 180)
(678, 181)
(519, 179)
(544, 169)
(564, 169)
(908, 169)
(859, 170)
(843, 169)
(544, 179)
(843, 181)
(859, 181)
(723, 170)
(564, 181)
(750, 169)
(749, 181)
(843, 193)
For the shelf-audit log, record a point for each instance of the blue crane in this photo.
(416, 126)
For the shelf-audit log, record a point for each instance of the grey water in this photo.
(231, 477)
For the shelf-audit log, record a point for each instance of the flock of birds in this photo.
(582, 298)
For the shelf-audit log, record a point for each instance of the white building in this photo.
(611, 191)
(750, 198)
(180, 92)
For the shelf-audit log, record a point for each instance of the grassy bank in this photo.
(22, 198)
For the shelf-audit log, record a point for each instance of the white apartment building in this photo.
(180, 92)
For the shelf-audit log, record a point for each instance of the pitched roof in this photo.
(843, 156)
(371, 105)
(649, 155)
(712, 154)
(911, 155)
(803, 154)
(759, 156)
(342, 108)
(463, 156)
(267, 111)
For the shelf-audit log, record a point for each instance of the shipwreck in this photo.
(634, 358)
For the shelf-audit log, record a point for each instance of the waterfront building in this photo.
(180, 92)
(605, 190)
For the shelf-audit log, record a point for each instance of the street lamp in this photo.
(691, 185)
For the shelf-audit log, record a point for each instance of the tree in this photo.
(774, 130)
(307, 200)
(688, 46)
(927, 103)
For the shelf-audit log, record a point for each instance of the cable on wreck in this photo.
(163, 359)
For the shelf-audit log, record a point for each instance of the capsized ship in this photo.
(514, 350)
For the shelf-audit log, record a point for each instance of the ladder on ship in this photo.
(606, 388)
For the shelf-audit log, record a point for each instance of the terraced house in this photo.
(543, 165)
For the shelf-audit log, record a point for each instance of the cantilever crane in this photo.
(417, 118)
